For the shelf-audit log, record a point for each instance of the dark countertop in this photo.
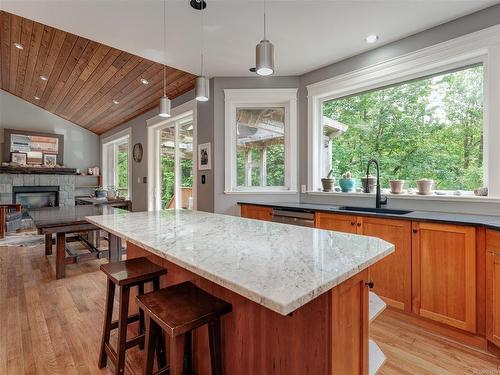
(487, 221)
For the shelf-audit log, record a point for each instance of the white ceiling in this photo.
(306, 34)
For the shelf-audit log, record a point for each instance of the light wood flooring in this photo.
(52, 327)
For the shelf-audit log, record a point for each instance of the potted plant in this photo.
(424, 186)
(371, 181)
(396, 186)
(347, 183)
(100, 192)
(328, 181)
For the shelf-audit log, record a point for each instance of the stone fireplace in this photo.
(38, 188)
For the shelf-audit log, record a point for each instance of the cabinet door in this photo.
(339, 223)
(444, 274)
(392, 275)
(350, 308)
(256, 212)
(493, 297)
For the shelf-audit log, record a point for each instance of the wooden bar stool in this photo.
(178, 310)
(126, 274)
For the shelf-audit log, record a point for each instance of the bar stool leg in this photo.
(214, 338)
(188, 355)
(108, 315)
(177, 355)
(150, 343)
(161, 353)
(140, 288)
(122, 330)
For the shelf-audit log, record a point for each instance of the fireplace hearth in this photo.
(36, 196)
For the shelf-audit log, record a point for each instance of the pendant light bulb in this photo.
(202, 89)
(165, 107)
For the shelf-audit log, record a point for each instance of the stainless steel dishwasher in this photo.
(294, 217)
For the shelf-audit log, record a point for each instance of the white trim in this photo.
(125, 134)
(154, 126)
(261, 98)
(472, 48)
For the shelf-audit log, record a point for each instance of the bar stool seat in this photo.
(126, 274)
(178, 310)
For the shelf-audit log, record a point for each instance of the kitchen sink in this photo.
(374, 210)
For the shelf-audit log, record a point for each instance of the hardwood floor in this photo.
(53, 326)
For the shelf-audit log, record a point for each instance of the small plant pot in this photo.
(328, 184)
(372, 184)
(347, 184)
(424, 186)
(397, 186)
(100, 193)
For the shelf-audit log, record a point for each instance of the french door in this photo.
(174, 163)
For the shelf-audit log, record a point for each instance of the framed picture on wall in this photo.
(204, 157)
(49, 160)
(19, 158)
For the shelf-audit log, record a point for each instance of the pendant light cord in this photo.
(164, 47)
(202, 35)
(265, 20)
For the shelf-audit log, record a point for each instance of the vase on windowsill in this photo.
(347, 183)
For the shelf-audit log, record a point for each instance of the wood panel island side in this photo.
(299, 295)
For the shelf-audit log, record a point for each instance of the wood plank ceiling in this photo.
(78, 79)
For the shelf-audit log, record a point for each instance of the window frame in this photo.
(109, 164)
(479, 47)
(261, 98)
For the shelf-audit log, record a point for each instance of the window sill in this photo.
(230, 192)
(433, 197)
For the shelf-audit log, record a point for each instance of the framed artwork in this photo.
(204, 157)
(19, 158)
(137, 152)
(49, 160)
(35, 144)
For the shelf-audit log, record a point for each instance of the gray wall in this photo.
(140, 135)
(81, 146)
(227, 203)
(461, 26)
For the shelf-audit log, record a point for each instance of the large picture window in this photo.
(116, 153)
(260, 140)
(431, 127)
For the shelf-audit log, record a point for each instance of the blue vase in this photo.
(347, 184)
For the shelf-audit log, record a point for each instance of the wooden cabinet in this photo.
(493, 286)
(444, 274)
(340, 223)
(256, 212)
(392, 275)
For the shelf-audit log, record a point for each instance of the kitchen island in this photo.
(299, 295)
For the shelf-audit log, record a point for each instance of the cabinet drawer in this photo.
(493, 241)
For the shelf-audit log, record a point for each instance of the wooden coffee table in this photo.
(71, 219)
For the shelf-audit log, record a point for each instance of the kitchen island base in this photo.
(328, 335)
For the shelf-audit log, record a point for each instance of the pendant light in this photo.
(202, 88)
(164, 101)
(264, 53)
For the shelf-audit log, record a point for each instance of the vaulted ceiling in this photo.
(88, 83)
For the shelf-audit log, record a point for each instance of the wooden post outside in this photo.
(248, 167)
(263, 166)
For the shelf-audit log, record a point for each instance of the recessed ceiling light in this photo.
(115, 101)
(37, 98)
(371, 38)
(43, 78)
(18, 45)
(144, 81)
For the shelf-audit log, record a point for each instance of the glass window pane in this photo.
(167, 167)
(260, 149)
(185, 168)
(122, 161)
(426, 128)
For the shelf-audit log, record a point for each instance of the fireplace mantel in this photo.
(37, 170)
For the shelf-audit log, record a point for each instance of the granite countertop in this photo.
(279, 266)
(487, 221)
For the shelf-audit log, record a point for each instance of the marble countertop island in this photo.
(279, 266)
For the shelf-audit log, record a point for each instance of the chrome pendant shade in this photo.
(264, 58)
(165, 105)
(202, 89)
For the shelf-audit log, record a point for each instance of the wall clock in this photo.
(137, 152)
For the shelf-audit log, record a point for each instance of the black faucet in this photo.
(379, 201)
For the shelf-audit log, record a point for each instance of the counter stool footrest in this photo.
(131, 319)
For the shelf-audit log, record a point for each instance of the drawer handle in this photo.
(370, 284)
(353, 223)
(415, 231)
